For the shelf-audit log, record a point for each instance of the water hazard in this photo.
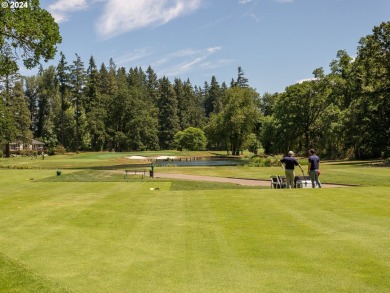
(193, 161)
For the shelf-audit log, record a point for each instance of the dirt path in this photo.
(240, 181)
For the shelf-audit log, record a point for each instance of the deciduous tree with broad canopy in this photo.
(192, 139)
(29, 33)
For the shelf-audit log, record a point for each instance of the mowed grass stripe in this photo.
(288, 227)
(73, 224)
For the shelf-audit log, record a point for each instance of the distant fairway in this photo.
(94, 231)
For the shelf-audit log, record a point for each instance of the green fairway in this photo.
(102, 160)
(94, 231)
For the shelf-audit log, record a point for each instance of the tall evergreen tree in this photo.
(152, 85)
(92, 85)
(212, 97)
(104, 81)
(242, 81)
(48, 106)
(182, 103)
(95, 107)
(195, 113)
(19, 109)
(8, 129)
(144, 123)
(112, 78)
(77, 83)
(31, 92)
(168, 118)
(151, 106)
(120, 110)
(63, 77)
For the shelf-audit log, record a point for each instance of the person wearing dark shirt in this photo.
(313, 168)
(289, 163)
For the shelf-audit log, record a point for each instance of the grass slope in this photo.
(15, 277)
(120, 236)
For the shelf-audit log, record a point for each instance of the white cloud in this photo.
(244, 1)
(121, 16)
(254, 17)
(176, 63)
(184, 61)
(215, 63)
(61, 9)
(133, 55)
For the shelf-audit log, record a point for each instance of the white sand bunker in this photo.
(136, 158)
(165, 157)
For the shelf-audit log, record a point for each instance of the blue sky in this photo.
(276, 42)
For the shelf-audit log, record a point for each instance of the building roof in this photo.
(37, 142)
(33, 142)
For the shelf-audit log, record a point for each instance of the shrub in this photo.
(252, 143)
(269, 161)
(58, 150)
(192, 139)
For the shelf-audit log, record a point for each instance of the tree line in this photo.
(344, 113)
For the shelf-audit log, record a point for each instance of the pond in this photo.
(203, 162)
(193, 161)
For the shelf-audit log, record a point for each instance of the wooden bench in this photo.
(135, 172)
